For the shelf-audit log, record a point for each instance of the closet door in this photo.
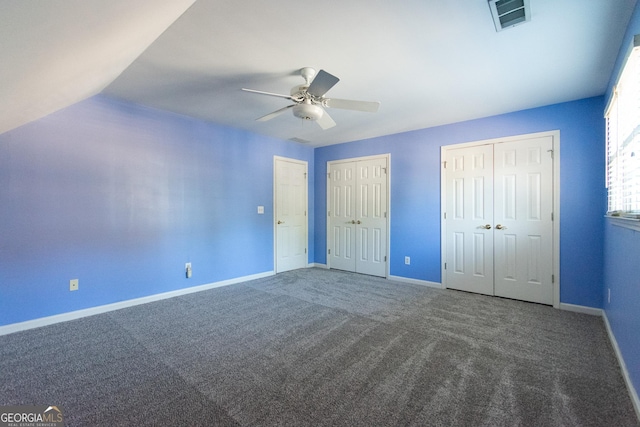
(523, 234)
(469, 219)
(342, 216)
(498, 219)
(371, 217)
(357, 216)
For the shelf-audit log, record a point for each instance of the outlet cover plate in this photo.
(73, 284)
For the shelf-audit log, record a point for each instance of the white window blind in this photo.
(623, 140)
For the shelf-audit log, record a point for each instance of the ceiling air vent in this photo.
(300, 140)
(509, 13)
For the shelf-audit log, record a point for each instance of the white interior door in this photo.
(371, 213)
(290, 214)
(342, 216)
(523, 234)
(357, 215)
(469, 219)
(498, 219)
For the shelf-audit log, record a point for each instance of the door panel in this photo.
(371, 220)
(470, 202)
(291, 215)
(342, 216)
(524, 240)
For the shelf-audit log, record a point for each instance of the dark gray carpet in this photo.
(316, 347)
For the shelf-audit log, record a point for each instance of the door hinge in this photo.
(445, 215)
(550, 152)
(444, 164)
(328, 213)
(385, 214)
(445, 265)
(384, 170)
(329, 252)
(328, 175)
(553, 278)
(385, 258)
(305, 175)
(551, 216)
(305, 213)
(305, 250)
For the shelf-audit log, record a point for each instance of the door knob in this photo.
(486, 227)
(280, 222)
(353, 221)
(500, 227)
(358, 222)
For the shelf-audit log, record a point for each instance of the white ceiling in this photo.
(55, 53)
(428, 62)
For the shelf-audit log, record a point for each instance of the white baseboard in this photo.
(416, 281)
(581, 309)
(623, 366)
(317, 265)
(72, 315)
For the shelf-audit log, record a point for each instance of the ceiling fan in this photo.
(308, 99)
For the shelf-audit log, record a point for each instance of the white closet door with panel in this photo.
(498, 219)
(342, 216)
(358, 215)
(523, 234)
(469, 219)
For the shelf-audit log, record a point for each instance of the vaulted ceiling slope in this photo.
(428, 62)
(58, 52)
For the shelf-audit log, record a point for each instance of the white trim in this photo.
(357, 159)
(581, 309)
(555, 134)
(557, 216)
(387, 157)
(304, 163)
(416, 282)
(317, 265)
(630, 223)
(73, 315)
(633, 394)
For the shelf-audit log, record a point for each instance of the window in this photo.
(623, 140)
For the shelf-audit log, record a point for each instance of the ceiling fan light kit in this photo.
(309, 100)
(307, 111)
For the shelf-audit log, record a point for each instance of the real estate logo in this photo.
(31, 416)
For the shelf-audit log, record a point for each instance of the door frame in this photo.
(387, 157)
(555, 135)
(275, 208)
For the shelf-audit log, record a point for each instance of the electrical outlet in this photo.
(260, 210)
(73, 284)
(407, 260)
(187, 270)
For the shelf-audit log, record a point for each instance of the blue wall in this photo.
(120, 197)
(621, 260)
(415, 190)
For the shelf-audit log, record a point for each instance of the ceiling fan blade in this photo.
(325, 121)
(261, 92)
(322, 83)
(274, 114)
(347, 104)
